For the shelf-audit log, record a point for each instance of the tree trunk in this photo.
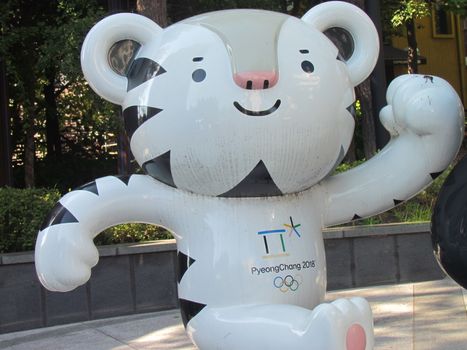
(29, 119)
(378, 79)
(296, 4)
(29, 148)
(412, 56)
(351, 155)
(125, 157)
(54, 146)
(363, 92)
(153, 9)
(5, 149)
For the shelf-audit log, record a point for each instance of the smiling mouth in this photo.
(257, 113)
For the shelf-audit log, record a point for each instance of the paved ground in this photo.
(419, 316)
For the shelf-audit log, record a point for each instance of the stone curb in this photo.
(375, 230)
(170, 245)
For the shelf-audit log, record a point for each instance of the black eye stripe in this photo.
(141, 70)
(134, 116)
(160, 169)
(308, 67)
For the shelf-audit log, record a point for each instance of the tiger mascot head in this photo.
(236, 103)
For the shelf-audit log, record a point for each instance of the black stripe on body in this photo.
(141, 70)
(90, 187)
(356, 217)
(184, 262)
(352, 110)
(338, 161)
(258, 183)
(189, 309)
(124, 178)
(159, 168)
(398, 201)
(134, 116)
(58, 215)
(435, 175)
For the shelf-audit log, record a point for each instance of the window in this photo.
(443, 23)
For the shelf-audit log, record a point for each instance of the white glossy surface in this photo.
(257, 264)
(96, 46)
(359, 25)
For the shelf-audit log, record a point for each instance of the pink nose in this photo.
(256, 80)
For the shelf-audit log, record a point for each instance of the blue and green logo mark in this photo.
(290, 228)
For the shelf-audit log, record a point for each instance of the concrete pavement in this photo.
(414, 316)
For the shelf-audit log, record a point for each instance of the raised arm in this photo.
(426, 121)
(65, 252)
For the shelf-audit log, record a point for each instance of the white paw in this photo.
(64, 257)
(345, 324)
(423, 104)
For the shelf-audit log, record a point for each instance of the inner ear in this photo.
(343, 40)
(121, 54)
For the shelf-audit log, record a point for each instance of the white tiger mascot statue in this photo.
(239, 119)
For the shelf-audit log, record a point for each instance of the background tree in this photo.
(52, 109)
(153, 9)
(402, 15)
(60, 126)
(399, 18)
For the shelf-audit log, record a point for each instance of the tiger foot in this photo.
(351, 322)
(345, 324)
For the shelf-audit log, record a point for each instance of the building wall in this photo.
(445, 55)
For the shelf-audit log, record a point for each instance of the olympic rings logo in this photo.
(284, 284)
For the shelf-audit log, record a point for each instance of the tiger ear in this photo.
(95, 62)
(351, 19)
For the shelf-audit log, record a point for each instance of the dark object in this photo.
(141, 70)
(124, 178)
(160, 169)
(258, 183)
(122, 54)
(189, 309)
(449, 225)
(90, 187)
(184, 262)
(58, 215)
(343, 40)
(134, 116)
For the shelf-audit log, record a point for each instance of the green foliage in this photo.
(408, 10)
(22, 212)
(396, 13)
(129, 233)
(69, 172)
(40, 43)
(459, 7)
(343, 167)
